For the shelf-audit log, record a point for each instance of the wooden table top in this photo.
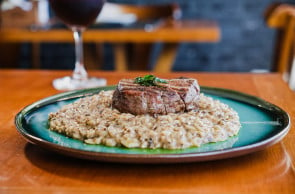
(26, 168)
(167, 31)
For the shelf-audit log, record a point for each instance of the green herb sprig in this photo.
(149, 80)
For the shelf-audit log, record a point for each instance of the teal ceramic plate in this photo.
(263, 124)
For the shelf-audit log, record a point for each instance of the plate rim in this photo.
(155, 158)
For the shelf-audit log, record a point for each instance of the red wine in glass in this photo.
(77, 12)
(77, 15)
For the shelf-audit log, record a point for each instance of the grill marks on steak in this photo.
(178, 95)
(189, 91)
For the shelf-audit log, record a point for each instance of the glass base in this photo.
(68, 83)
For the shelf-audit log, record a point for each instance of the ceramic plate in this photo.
(263, 124)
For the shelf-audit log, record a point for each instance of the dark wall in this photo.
(246, 42)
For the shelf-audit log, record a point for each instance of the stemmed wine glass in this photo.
(77, 15)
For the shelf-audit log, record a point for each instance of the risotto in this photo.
(93, 120)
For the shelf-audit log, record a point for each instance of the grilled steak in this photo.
(177, 95)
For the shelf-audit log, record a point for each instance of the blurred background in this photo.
(246, 45)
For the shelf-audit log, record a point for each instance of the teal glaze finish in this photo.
(262, 124)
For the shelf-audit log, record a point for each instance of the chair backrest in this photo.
(282, 17)
(137, 55)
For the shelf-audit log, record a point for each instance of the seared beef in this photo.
(189, 91)
(177, 95)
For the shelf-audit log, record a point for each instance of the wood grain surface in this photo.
(26, 168)
(169, 31)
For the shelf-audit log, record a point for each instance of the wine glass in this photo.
(77, 15)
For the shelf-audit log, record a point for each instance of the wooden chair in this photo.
(17, 18)
(136, 56)
(282, 17)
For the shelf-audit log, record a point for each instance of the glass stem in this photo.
(79, 71)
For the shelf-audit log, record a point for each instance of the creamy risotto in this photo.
(93, 121)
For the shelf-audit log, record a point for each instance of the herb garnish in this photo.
(149, 80)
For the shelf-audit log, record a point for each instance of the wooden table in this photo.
(26, 168)
(170, 32)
